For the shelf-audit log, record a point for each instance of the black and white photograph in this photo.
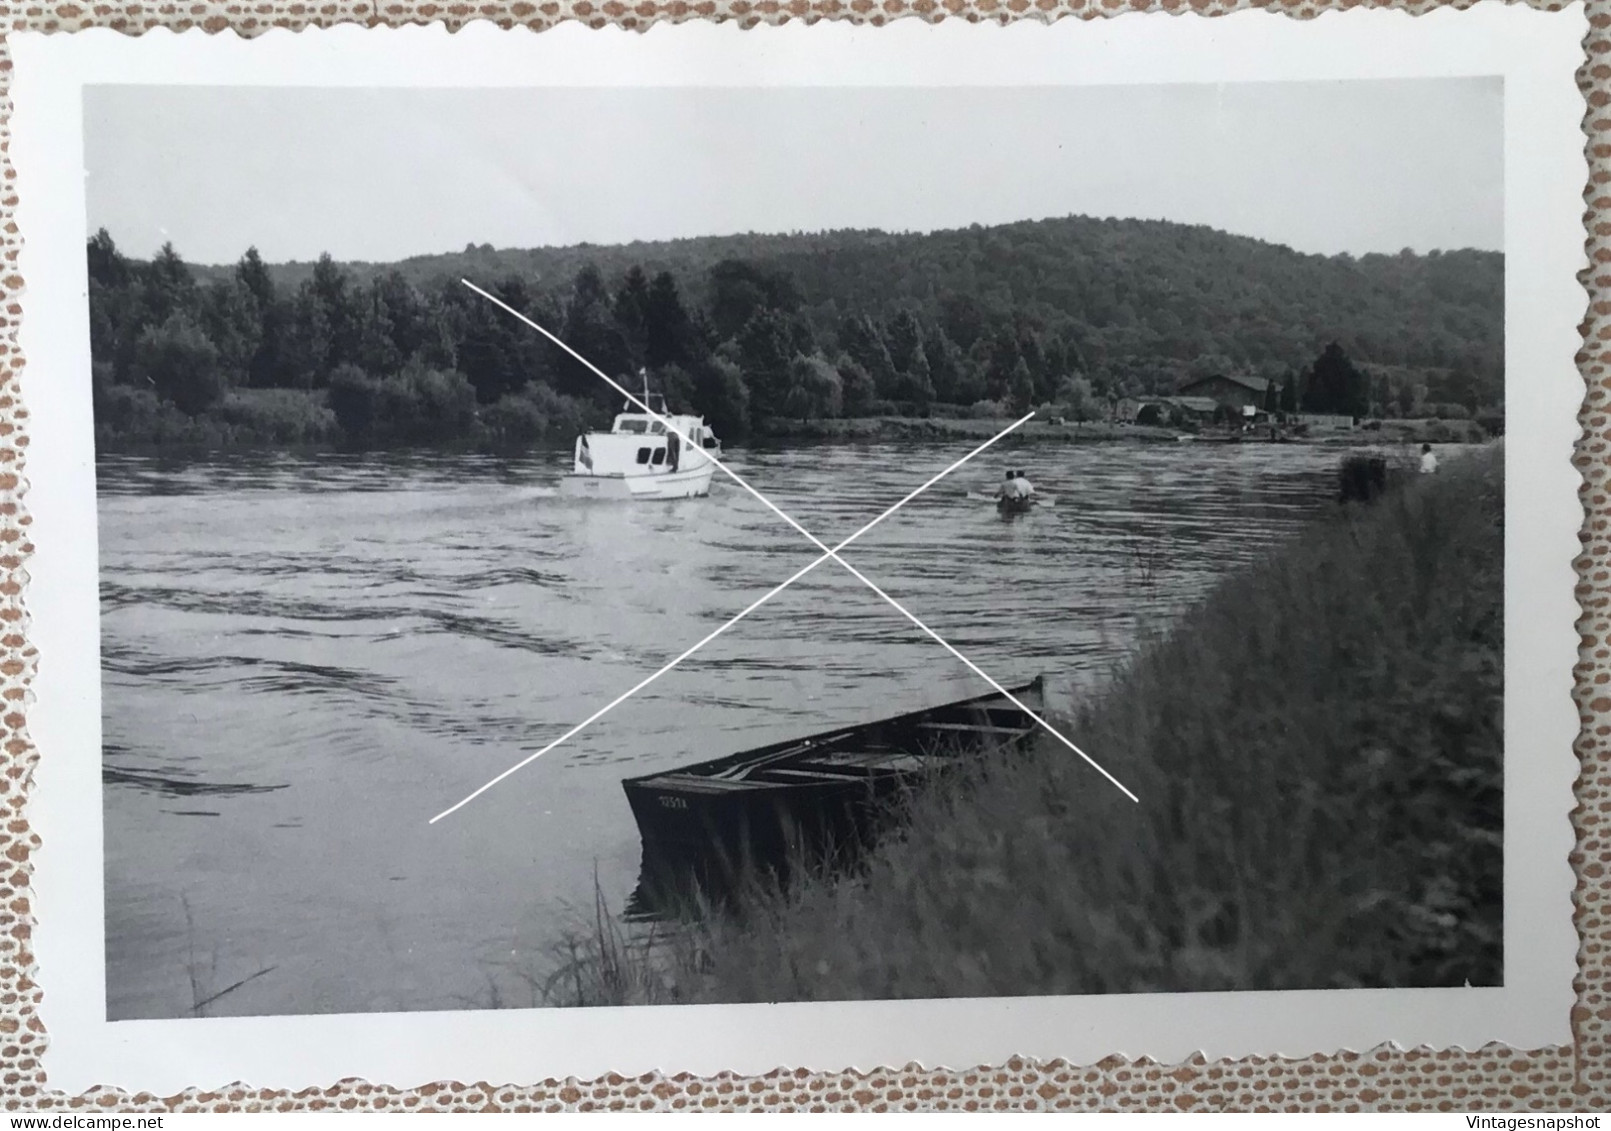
(1191, 681)
(637, 545)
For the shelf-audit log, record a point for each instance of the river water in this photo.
(305, 659)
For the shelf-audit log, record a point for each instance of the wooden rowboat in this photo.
(819, 800)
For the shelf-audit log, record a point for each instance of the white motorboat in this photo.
(640, 458)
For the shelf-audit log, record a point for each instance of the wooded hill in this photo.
(755, 329)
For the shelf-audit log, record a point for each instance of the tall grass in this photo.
(1317, 749)
(599, 963)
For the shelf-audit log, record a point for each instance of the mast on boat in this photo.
(643, 375)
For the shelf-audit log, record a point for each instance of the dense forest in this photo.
(760, 331)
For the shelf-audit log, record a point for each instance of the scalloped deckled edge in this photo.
(16, 654)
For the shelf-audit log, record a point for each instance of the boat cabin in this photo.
(639, 444)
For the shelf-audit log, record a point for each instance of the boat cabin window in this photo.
(656, 428)
(643, 455)
(659, 456)
(638, 426)
(710, 441)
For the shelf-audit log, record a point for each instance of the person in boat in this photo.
(1016, 489)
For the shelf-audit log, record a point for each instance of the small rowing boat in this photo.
(1020, 504)
(819, 799)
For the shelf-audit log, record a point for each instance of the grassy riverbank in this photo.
(379, 417)
(956, 428)
(1044, 430)
(1318, 752)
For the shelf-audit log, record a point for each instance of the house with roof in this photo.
(1196, 408)
(1235, 392)
(1165, 410)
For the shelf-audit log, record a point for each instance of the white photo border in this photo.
(1536, 53)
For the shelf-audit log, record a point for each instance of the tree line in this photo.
(366, 355)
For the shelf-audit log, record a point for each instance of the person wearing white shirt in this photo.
(1015, 488)
(1429, 462)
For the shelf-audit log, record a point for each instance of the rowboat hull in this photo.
(817, 801)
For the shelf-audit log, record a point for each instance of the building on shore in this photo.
(1323, 421)
(1165, 410)
(1234, 392)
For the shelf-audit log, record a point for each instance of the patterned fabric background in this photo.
(1549, 1079)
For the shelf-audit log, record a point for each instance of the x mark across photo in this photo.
(828, 553)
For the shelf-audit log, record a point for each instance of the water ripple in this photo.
(330, 649)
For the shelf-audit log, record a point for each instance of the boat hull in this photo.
(686, 484)
(813, 802)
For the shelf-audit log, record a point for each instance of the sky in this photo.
(380, 175)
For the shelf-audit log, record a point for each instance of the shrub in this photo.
(126, 416)
(815, 389)
(180, 362)
(278, 416)
(1077, 400)
(723, 397)
(419, 405)
(423, 404)
(856, 386)
(533, 414)
(354, 398)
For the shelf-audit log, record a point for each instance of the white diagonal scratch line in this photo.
(775, 509)
(622, 698)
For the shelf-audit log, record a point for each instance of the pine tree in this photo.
(330, 289)
(764, 356)
(632, 315)
(306, 349)
(1021, 389)
(591, 330)
(856, 385)
(1289, 394)
(253, 274)
(916, 386)
(1337, 385)
(229, 318)
(1003, 366)
(377, 337)
(169, 288)
(945, 366)
(669, 335)
(862, 339)
(414, 327)
(905, 341)
(107, 265)
(267, 366)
